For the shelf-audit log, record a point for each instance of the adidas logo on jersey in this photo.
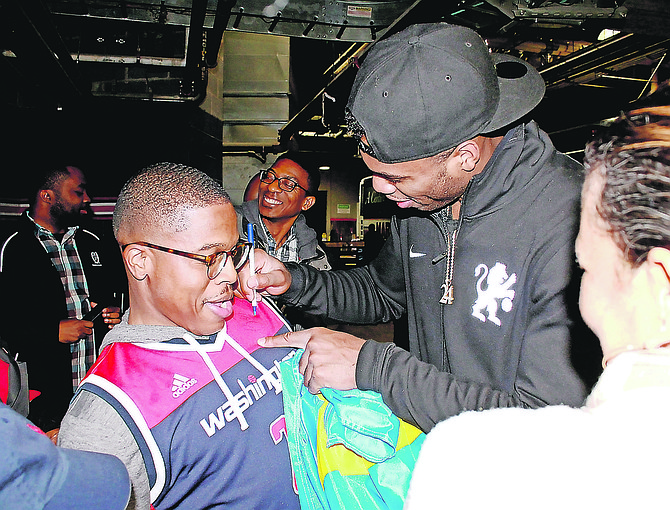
(180, 384)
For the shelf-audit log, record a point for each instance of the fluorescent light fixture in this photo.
(606, 34)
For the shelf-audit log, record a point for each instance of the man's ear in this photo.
(46, 196)
(138, 261)
(469, 154)
(308, 202)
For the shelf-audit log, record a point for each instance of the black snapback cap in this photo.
(432, 86)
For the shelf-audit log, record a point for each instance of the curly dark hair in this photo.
(308, 165)
(633, 155)
(354, 127)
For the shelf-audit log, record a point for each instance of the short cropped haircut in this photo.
(46, 177)
(158, 196)
(313, 173)
(633, 156)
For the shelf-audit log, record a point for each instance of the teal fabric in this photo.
(358, 420)
(361, 421)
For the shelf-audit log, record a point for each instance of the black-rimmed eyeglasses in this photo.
(214, 262)
(268, 177)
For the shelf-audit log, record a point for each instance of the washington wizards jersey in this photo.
(206, 413)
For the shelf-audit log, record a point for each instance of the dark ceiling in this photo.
(133, 68)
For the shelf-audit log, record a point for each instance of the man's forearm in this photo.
(418, 392)
(349, 296)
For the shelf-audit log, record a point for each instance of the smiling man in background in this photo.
(286, 189)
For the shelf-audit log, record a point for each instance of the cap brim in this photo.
(93, 480)
(521, 89)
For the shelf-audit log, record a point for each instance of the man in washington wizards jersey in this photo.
(181, 392)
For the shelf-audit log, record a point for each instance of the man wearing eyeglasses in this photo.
(181, 393)
(286, 190)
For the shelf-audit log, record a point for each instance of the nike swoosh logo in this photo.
(414, 254)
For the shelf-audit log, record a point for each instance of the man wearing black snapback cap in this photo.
(484, 267)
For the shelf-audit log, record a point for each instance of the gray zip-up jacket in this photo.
(507, 340)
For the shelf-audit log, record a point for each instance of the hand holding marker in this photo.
(252, 262)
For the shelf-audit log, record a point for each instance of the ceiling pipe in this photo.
(195, 76)
(586, 65)
(653, 74)
(221, 19)
(355, 51)
(345, 62)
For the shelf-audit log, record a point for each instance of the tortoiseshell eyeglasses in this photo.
(214, 262)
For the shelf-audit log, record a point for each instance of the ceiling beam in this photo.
(590, 63)
(345, 62)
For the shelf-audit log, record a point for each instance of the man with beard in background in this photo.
(52, 273)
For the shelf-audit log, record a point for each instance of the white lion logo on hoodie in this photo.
(498, 285)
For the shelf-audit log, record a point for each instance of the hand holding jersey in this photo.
(329, 360)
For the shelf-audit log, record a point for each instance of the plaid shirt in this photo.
(288, 252)
(65, 258)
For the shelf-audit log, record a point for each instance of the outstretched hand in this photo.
(329, 360)
(271, 277)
